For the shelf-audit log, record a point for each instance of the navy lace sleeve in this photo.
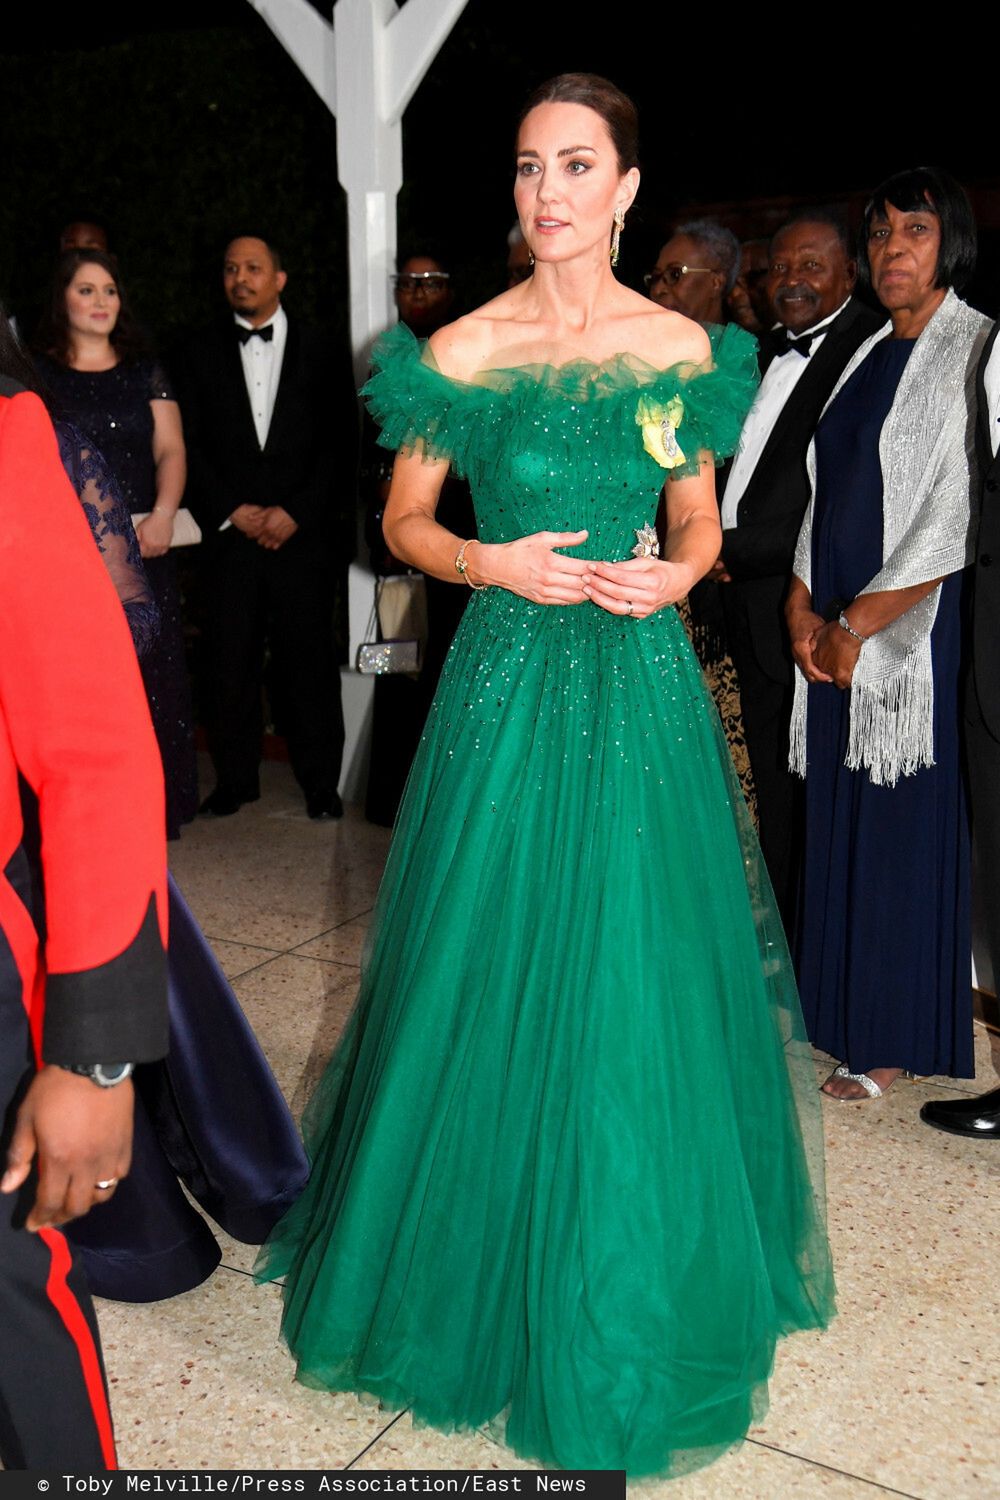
(113, 532)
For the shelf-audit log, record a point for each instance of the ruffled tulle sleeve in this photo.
(418, 409)
(687, 410)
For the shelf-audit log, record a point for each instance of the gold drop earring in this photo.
(616, 234)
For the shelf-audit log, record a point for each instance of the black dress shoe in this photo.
(320, 805)
(222, 803)
(978, 1117)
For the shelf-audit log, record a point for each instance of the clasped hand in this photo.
(530, 567)
(823, 651)
(269, 526)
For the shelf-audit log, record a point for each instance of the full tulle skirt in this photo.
(566, 1161)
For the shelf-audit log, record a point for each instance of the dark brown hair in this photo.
(54, 335)
(604, 98)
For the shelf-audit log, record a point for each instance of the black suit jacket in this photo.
(986, 577)
(760, 549)
(311, 441)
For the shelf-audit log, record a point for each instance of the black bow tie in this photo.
(246, 334)
(787, 345)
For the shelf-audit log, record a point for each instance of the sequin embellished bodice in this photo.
(112, 409)
(559, 448)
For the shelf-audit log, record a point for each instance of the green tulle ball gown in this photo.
(567, 1160)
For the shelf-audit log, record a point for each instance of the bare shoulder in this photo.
(463, 348)
(677, 340)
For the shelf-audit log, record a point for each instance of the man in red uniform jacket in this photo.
(82, 1004)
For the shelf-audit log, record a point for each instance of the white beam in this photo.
(414, 35)
(308, 39)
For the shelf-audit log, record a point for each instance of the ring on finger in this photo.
(106, 1183)
(629, 603)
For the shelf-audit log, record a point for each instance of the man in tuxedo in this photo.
(980, 1117)
(811, 282)
(84, 1000)
(261, 415)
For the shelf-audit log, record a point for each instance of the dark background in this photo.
(184, 126)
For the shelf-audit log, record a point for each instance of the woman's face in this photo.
(903, 250)
(92, 302)
(568, 182)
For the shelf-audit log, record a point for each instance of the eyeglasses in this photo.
(431, 282)
(673, 273)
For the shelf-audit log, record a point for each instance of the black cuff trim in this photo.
(116, 1012)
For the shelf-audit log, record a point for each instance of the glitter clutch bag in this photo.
(376, 658)
(397, 627)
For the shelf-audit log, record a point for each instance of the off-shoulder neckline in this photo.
(583, 372)
(638, 370)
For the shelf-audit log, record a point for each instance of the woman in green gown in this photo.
(566, 1160)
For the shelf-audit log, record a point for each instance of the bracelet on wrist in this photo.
(845, 624)
(462, 567)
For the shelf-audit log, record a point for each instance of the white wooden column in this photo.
(366, 64)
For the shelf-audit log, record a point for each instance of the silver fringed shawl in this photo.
(926, 449)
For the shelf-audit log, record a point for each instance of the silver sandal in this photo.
(869, 1085)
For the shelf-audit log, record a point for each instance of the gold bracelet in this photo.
(462, 567)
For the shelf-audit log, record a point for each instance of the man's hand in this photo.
(81, 1135)
(717, 572)
(277, 527)
(249, 519)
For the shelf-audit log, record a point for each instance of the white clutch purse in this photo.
(187, 532)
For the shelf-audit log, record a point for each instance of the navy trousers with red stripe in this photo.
(53, 1395)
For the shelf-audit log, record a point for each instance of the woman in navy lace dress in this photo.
(124, 404)
(211, 1112)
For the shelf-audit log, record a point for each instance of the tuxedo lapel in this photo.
(235, 387)
(284, 401)
(800, 412)
(984, 442)
(799, 404)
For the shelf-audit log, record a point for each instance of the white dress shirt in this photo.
(991, 378)
(780, 379)
(262, 370)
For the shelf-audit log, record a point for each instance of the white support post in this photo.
(366, 67)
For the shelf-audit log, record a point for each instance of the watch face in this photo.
(108, 1074)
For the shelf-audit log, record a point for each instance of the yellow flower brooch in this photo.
(659, 425)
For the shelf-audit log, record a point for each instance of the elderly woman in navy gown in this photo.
(124, 403)
(211, 1113)
(873, 612)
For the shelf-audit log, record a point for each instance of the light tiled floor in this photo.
(898, 1398)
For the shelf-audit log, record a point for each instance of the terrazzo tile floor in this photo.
(899, 1397)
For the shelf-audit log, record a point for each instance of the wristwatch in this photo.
(105, 1075)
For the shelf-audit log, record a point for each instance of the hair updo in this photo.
(604, 98)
